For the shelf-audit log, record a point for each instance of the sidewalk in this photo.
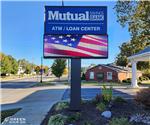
(35, 105)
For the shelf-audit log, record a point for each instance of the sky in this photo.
(22, 29)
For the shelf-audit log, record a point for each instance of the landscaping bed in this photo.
(102, 110)
(89, 115)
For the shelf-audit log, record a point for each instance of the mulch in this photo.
(91, 114)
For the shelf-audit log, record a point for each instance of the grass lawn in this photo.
(7, 113)
(88, 83)
(103, 83)
(13, 77)
(43, 84)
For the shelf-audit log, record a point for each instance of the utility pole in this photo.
(62, 3)
(41, 69)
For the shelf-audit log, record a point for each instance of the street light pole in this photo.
(41, 69)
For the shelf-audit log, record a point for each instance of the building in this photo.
(143, 55)
(109, 73)
(20, 70)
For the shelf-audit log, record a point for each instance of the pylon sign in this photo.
(72, 32)
(75, 20)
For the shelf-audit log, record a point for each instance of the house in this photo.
(20, 70)
(109, 73)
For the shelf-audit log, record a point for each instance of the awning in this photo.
(143, 55)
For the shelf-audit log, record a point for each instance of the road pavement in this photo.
(35, 103)
(27, 82)
(89, 92)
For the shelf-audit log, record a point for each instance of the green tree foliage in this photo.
(28, 68)
(14, 65)
(5, 64)
(37, 69)
(58, 67)
(121, 60)
(9, 64)
(83, 76)
(135, 14)
(46, 69)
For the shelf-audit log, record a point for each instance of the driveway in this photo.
(35, 102)
(89, 92)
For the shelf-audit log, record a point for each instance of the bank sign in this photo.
(75, 20)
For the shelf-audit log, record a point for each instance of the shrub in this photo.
(107, 94)
(83, 77)
(119, 121)
(57, 120)
(119, 99)
(147, 73)
(143, 78)
(101, 106)
(143, 97)
(83, 101)
(74, 117)
(61, 105)
(128, 80)
(98, 98)
(124, 81)
(87, 123)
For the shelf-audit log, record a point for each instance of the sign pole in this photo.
(75, 93)
(41, 69)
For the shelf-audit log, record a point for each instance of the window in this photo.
(91, 75)
(109, 75)
(100, 76)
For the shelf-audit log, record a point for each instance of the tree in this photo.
(83, 76)
(121, 60)
(28, 68)
(46, 69)
(135, 14)
(5, 64)
(65, 71)
(37, 69)
(58, 67)
(14, 65)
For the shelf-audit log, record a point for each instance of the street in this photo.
(21, 83)
(19, 94)
(27, 82)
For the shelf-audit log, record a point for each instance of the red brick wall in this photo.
(104, 70)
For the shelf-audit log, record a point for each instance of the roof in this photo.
(114, 67)
(147, 49)
(143, 55)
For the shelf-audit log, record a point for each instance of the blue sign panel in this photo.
(75, 20)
